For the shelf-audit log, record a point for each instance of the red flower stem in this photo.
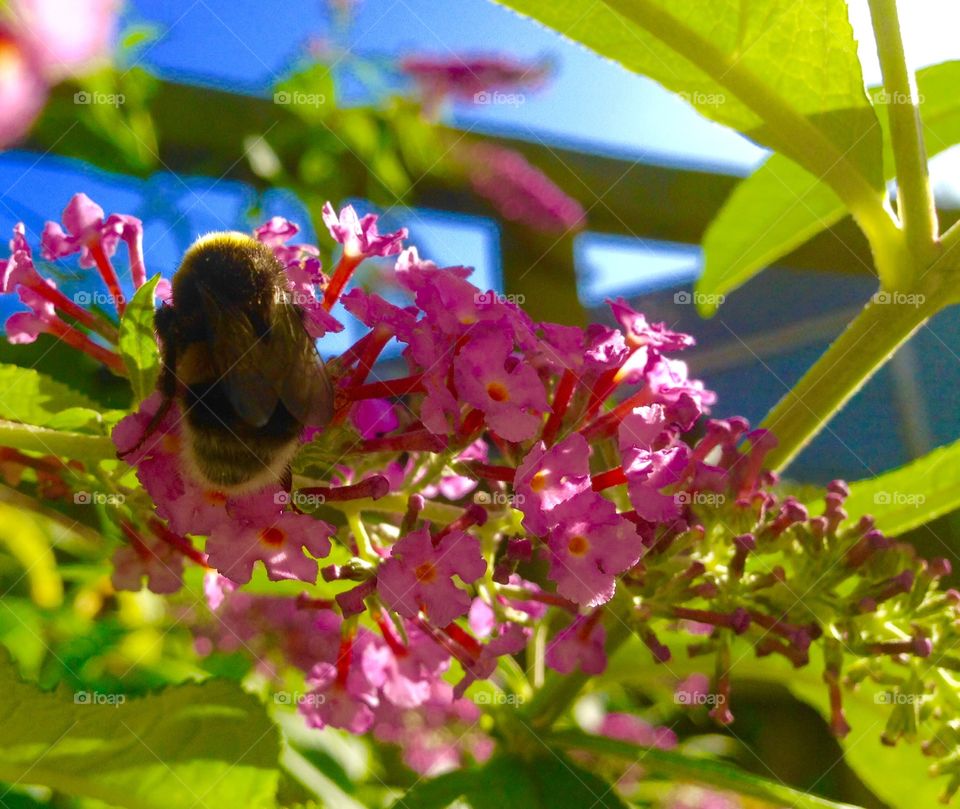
(610, 420)
(46, 464)
(344, 656)
(601, 390)
(472, 515)
(389, 632)
(341, 275)
(179, 543)
(143, 551)
(305, 602)
(138, 270)
(561, 401)
(83, 316)
(464, 639)
(472, 422)
(77, 339)
(605, 480)
(413, 441)
(385, 389)
(374, 487)
(109, 275)
(505, 474)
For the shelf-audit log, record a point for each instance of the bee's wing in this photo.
(274, 361)
(305, 388)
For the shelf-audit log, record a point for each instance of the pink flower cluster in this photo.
(515, 474)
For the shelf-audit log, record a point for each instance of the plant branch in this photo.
(793, 134)
(697, 770)
(864, 346)
(915, 200)
(60, 444)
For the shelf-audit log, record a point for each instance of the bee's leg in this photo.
(286, 479)
(151, 427)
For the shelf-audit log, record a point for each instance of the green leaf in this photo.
(187, 746)
(910, 495)
(440, 792)
(897, 775)
(30, 397)
(138, 341)
(781, 206)
(23, 537)
(694, 770)
(548, 781)
(785, 73)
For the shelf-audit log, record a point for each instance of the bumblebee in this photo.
(238, 360)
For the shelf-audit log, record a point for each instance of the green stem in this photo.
(359, 531)
(559, 690)
(439, 513)
(854, 357)
(697, 770)
(63, 445)
(915, 200)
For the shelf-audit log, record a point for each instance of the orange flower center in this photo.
(215, 497)
(498, 392)
(578, 545)
(272, 536)
(539, 481)
(425, 572)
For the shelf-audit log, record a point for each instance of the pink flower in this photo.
(359, 236)
(373, 417)
(346, 705)
(509, 393)
(405, 675)
(579, 645)
(641, 333)
(462, 77)
(23, 90)
(548, 477)
(235, 545)
(520, 191)
(66, 38)
(419, 576)
(650, 470)
(159, 562)
(589, 546)
(630, 728)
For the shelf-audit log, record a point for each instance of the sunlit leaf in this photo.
(138, 342)
(187, 746)
(781, 206)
